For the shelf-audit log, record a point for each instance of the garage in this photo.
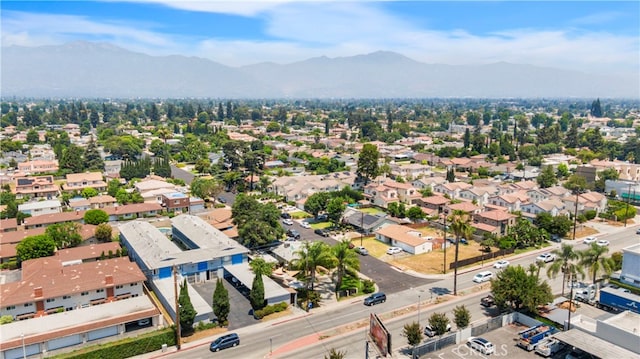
(102, 333)
(16, 353)
(64, 342)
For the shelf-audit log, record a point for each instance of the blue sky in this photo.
(591, 36)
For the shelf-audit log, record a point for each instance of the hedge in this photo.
(270, 309)
(126, 348)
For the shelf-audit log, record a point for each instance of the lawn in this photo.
(375, 247)
(431, 263)
(371, 210)
(320, 225)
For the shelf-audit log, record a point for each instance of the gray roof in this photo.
(157, 251)
(593, 345)
(244, 274)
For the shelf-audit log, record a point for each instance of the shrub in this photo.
(368, 286)
(270, 309)
(591, 214)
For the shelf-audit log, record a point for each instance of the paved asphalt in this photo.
(240, 314)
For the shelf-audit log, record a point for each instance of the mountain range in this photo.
(87, 69)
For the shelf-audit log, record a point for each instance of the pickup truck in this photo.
(487, 301)
(549, 347)
(529, 338)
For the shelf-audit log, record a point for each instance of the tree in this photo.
(259, 267)
(33, 137)
(112, 187)
(596, 108)
(439, 322)
(547, 178)
(65, 234)
(310, 256)
(565, 263)
(35, 247)
(95, 216)
(187, 312)
(202, 165)
(92, 159)
(71, 160)
(205, 188)
(368, 162)
(461, 316)
(593, 258)
(103, 232)
(451, 175)
(413, 333)
(516, 289)
(335, 208)
(335, 354)
(461, 228)
(257, 223)
(345, 258)
(89, 192)
(415, 213)
(221, 305)
(316, 203)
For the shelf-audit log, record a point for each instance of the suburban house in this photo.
(553, 206)
(512, 201)
(133, 211)
(97, 202)
(8, 225)
(479, 194)
(452, 189)
(381, 195)
(38, 166)
(502, 220)
(36, 187)
(406, 192)
(40, 208)
(220, 219)
(175, 202)
(411, 170)
(428, 182)
(365, 222)
(464, 206)
(47, 219)
(80, 181)
(434, 203)
(407, 238)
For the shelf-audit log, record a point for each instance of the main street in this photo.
(258, 340)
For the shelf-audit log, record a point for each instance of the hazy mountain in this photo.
(84, 69)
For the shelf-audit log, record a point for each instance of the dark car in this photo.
(222, 200)
(224, 342)
(375, 298)
(285, 215)
(321, 232)
(487, 301)
(293, 233)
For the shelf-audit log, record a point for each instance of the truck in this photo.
(549, 347)
(618, 300)
(585, 295)
(529, 338)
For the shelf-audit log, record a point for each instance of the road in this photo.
(258, 340)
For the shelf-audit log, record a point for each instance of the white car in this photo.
(602, 242)
(480, 344)
(305, 225)
(546, 257)
(394, 250)
(589, 240)
(287, 221)
(501, 264)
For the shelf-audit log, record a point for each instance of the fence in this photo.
(483, 257)
(434, 345)
(491, 324)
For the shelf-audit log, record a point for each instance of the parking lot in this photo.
(240, 312)
(505, 341)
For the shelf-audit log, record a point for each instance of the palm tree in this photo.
(594, 259)
(261, 267)
(164, 133)
(565, 258)
(534, 268)
(345, 257)
(461, 228)
(311, 256)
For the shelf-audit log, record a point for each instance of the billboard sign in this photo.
(379, 334)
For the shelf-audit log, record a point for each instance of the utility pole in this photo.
(361, 226)
(177, 306)
(444, 245)
(575, 214)
(570, 301)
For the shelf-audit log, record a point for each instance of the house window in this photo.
(11, 307)
(51, 300)
(118, 287)
(99, 290)
(134, 284)
(84, 293)
(28, 304)
(66, 297)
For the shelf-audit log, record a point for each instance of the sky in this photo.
(599, 37)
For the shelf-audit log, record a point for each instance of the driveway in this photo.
(240, 312)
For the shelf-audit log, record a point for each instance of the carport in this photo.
(273, 292)
(593, 345)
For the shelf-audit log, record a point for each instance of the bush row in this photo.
(270, 309)
(127, 348)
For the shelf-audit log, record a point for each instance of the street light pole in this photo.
(24, 350)
(575, 214)
(418, 310)
(361, 226)
(444, 244)
(177, 306)
(628, 199)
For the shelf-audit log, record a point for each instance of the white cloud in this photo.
(302, 30)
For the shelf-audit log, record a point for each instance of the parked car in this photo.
(293, 233)
(224, 342)
(487, 301)
(480, 344)
(501, 264)
(428, 331)
(287, 221)
(589, 240)
(305, 225)
(394, 250)
(361, 250)
(602, 242)
(638, 231)
(482, 277)
(375, 298)
(222, 200)
(321, 232)
(144, 322)
(546, 257)
(285, 215)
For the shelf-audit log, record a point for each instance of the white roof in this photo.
(54, 203)
(244, 274)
